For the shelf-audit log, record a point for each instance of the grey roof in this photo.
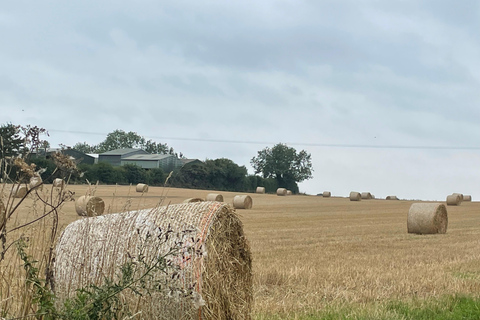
(147, 157)
(185, 161)
(119, 152)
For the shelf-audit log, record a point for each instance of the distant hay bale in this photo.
(214, 197)
(366, 195)
(281, 192)
(142, 187)
(391, 198)
(454, 200)
(467, 197)
(58, 183)
(89, 206)
(191, 200)
(214, 263)
(327, 194)
(289, 192)
(461, 196)
(35, 181)
(427, 218)
(355, 196)
(242, 202)
(18, 191)
(260, 190)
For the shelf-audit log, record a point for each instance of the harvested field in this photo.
(311, 252)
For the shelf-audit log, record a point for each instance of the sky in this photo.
(384, 95)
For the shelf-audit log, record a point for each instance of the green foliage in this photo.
(191, 176)
(11, 142)
(134, 174)
(156, 177)
(224, 174)
(284, 164)
(48, 164)
(85, 147)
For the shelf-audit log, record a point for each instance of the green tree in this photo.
(224, 174)
(134, 174)
(284, 164)
(11, 142)
(85, 147)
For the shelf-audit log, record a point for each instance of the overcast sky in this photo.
(383, 94)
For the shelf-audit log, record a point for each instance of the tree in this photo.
(224, 174)
(85, 147)
(284, 164)
(11, 143)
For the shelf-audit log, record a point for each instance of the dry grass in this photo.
(310, 252)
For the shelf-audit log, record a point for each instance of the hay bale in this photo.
(35, 182)
(355, 196)
(214, 197)
(242, 202)
(218, 270)
(58, 183)
(18, 191)
(391, 198)
(89, 206)
(461, 196)
(467, 197)
(366, 195)
(190, 200)
(289, 192)
(260, 190)
(427, 218)
(281, 192)
(326, 194)
(142, 187)
(454, 200)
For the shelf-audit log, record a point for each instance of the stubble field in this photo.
(311, 253)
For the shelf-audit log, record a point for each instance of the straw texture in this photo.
(327, 194)
(281, 192)
(467, 197)
(366, 195)
(142, 187)
(190, 200)
(260, 190)
(242, 202)
(58, 183)
(454, 199)
(355, 196)
(391, 198)
(214, 197)
(427, 218)
(89, 206)
(218, 270)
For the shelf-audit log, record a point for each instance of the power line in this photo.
(324, 145)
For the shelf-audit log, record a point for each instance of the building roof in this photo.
(185, 161)
(147, 157)
(120, 152)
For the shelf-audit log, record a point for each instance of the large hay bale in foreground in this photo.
(141, 187)
(427, 218)
(191, 200)
(58, 183)
(260, 190)
(355, 196)
(454, 199)
(366, 195)
(89, 206)
(281, 192)
(391, 198)
(242, 202)
(214, 197)
(326, 194)
(18, 191)
(467, 197)
(217, 269)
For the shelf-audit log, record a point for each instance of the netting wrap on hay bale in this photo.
(214, 197)
(327, 194)
(218, 270)
(281, 192)
(427, 218)
(142, 187)
(355, 196)
(467, 197)
(454, 200)
(242, 202)
(89, 206)
(190, 200)
(366, 195)
(58, 183)
(260, 190)
(391, 198)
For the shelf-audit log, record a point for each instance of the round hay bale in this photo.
(391, 198)
(427, 218)
(214, 197)
(467, 197)
(89, 206)
(190, 200)
(454, 200)
(461, 196)
(142, 187)
(260, 190)
(35, 181)
(58, 183)
(18, 191)
(327, 194)
(217, 269)
(242, 202)
(366, 195)
(281, 192)
(355, 196)
(289, 192)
